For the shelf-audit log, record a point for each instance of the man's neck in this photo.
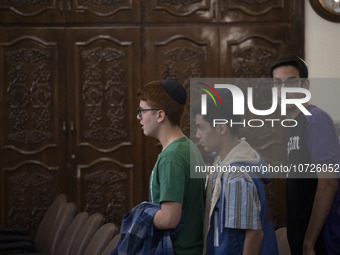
(228, 146)
(168, 135)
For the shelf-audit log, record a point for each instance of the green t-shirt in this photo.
(170, 181)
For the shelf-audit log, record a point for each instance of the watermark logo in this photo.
(204, 96)
(238, 99)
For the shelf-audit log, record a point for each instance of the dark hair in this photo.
(156, 96)
(291, 60)
(224, 111)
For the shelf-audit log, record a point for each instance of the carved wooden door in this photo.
(33, 144)
(104, 155)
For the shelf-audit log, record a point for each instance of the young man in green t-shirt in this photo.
(160, 112)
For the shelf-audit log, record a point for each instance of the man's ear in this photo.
(160, 116)
(222, 128)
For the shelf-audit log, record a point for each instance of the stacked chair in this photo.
(63, 231)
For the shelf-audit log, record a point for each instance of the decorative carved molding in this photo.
(29, 199)
(103, 2)
(25, 3)
(30, 136)
(105, 177)
(182, 54)
(181, 8)
(181, 2)
(182, 60)
(102, 10)
(29, 179)
(104, 94)
(250, 57)
(28, 8)
(254, 1)
(29, 95)
(112, 149)
(106, 193)
(253, 7)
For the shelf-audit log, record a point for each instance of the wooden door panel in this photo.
(106, 186)
(81, 11)
(180, 11)
(62, 11)
(32, 141)
(47, 11)
(181, 53)
(257, 11)
(249, 51)
(102, 116)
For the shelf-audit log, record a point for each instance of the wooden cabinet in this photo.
(69, 121)
(105, 141)
(70, 71)
(68, 11)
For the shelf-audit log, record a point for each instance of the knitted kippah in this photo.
(175, 90)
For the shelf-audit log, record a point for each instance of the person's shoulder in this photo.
(237, 176)
(316, 111)
(180, 148)
(318, 115)
(178, 145)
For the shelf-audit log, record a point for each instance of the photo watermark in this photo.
(271, 117)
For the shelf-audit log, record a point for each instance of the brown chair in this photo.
(71, 234)
(52, 227)
(86, 232)
(57, 229)
(111, 245)
(282, 242)
(100, 239)
(49, 220)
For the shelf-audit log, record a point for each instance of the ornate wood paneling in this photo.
(52, 11)
(256, 10)
(103, 11)
(31, 11)
(103, 134)
(106, 186)
(31, 139)
(249, 51)
(69, 90)
(181, 10)
(29, 188)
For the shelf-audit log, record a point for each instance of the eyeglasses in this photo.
(290, 82)
(140, 111)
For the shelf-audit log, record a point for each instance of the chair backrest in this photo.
(282, 242)
(50, 217)
(100, 239)
(71, 234)
(57, 229)
(111, 245)
(86, 233)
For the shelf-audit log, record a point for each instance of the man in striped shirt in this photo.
(237, 218)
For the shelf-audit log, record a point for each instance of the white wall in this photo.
(322, 54)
